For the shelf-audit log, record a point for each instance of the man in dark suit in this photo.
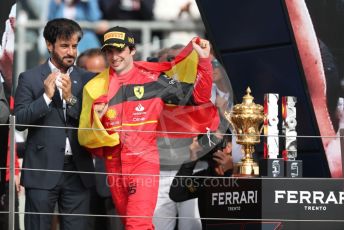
(49, 95)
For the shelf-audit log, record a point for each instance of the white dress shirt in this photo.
(68, 149)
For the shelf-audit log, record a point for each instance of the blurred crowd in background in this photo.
(100, 13)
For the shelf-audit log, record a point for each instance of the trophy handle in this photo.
(228, 118)
(262, 127)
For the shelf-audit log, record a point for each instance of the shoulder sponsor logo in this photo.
(149, 74)
(139, 91)
(111, 114)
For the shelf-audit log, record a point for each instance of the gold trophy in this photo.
(246, 119)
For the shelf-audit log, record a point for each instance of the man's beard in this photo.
(59, 60)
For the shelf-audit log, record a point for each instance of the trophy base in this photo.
(271, 167)
(246, 168)
(293, 168)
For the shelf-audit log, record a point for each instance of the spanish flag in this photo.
(175, 121)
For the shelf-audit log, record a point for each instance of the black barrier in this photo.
(274, 203)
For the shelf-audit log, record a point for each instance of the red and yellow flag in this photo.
(175, 121)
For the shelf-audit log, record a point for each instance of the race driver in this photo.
(124, 102)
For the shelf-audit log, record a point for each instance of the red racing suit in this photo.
(135, 110)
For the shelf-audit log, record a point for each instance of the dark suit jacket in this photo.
(101, 179)
(4, 109)
(4, 113)
(45, 147)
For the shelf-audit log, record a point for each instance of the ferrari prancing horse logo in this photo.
(139, 91)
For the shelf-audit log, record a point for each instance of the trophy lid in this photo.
(247, 105)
